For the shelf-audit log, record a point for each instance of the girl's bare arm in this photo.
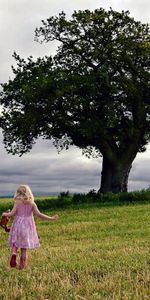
(43, 216)
(11, 213)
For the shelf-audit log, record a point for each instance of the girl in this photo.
(23, 232)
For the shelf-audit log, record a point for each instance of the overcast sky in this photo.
(45, 170)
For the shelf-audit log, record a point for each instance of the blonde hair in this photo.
(24, 194)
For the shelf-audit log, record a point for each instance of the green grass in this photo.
(94, 251)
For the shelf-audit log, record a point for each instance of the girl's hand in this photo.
(4, 214)
(55, 217)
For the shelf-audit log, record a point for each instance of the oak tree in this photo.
(93, 93)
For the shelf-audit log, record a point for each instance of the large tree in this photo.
(94, 93)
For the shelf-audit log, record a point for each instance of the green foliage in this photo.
(118, 198)
(64, 195)
(93, 93)
(65, 199)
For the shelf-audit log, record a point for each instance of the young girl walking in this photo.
(23, 232)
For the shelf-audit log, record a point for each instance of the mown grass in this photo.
(94, 251)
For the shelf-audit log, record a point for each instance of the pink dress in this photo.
(23, 232)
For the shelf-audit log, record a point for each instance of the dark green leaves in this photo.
(93, 93)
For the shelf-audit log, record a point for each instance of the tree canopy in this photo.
(94, 93)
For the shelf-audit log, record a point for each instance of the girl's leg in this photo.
(22, 258)
(13, 257)
(14, 250)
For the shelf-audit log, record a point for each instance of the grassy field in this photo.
(93, 252)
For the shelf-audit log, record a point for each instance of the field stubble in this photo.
(90, 253)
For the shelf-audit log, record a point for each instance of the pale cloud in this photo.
(138, 9)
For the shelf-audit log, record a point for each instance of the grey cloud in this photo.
(44, 170)
(141, 171)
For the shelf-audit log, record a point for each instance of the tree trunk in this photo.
(114, 177)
